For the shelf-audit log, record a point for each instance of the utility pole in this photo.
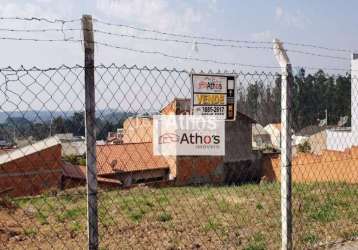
(92, 213)
(286, 144)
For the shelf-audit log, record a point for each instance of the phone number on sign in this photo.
(213, 109)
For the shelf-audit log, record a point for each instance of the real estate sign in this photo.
(214, 95)
(188, 135)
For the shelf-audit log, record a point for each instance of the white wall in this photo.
(354, 95)
(339, 139)
(342, 139)
(275, 135)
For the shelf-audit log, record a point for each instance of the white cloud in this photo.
(295, 19)
(158, 14)
(25, 10)
(279, 12)
(262, 36)
(44, 1)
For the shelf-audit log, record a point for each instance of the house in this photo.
(179, 106)
(71, 145)
(131, 163)
(138, 129)
(115, 137)
(274, 130)
(344, 138)
(239, 162)
(74, 175)
(32, 169)
(316, 136)
(261, 139)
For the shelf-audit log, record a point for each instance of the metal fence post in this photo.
(92, 213)
(286, 144)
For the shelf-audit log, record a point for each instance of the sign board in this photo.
(214, 95)
(188, 135)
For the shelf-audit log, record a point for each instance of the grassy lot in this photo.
(230, 217)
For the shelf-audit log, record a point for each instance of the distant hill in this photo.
(34, 115)
(45, 116)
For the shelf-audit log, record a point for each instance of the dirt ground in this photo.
(232, 217)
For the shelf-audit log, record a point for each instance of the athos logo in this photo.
(210, 84)
(188, 135)
(168, 138)
(189, 138)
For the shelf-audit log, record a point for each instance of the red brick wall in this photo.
(32, 174)
(330, 166)
(200, 169)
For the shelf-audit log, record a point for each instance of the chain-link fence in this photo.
(149, 201)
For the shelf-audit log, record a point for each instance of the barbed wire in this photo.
(106, 44)
(38, 30)
(63, 21)
(216, 44)
(220, 39)
(63, 30)
(182, 57)
(40, 39)
(42, 19)
(211, 60)
(161, 53)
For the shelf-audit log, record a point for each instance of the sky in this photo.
(324, 23)
(330, 24)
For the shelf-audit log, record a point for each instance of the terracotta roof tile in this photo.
(128, 158)
(79, 172)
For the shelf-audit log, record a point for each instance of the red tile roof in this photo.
(79, 172)
(73, 171)
(128, 158)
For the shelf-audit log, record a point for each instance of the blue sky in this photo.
(322, 22)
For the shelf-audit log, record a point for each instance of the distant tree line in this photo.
(313, 94)
(21, 128)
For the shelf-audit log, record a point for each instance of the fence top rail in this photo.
(133, 67)
(114, 66)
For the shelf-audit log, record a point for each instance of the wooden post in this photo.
(286, 144)
(92, 213)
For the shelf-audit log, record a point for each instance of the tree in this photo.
(58, 125)
(78, 124)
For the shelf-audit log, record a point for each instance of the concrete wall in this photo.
(275, 135)
(238, 144)
(73, 148)
(330, 166)
(354, 97)
(340, 139)
(318, 142)
(32, 174)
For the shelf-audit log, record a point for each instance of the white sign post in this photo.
(214, 95)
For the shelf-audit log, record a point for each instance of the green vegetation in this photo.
(76, 160)
(239, 217)
(312, 95)
(304, 147)
(42, 218)
(40, 128)
(257, 242)
(310, 238)
(75, 227)
(30, 232)
(70, 214)
(164, 217)
(325, 212)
